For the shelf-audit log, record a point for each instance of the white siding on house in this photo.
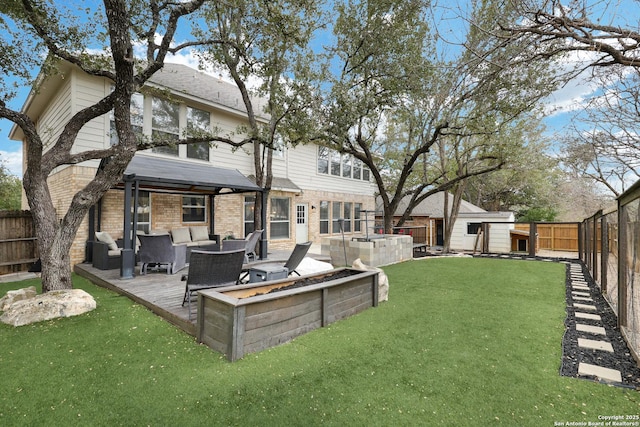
(499, 234)
(303, 170)
(55, 115)
(87, 91)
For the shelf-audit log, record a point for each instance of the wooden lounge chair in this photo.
(211, 270)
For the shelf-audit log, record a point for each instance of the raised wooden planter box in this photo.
(235, 321)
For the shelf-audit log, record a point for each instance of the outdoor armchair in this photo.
(159, 249)
(248, 244)
(211, 270)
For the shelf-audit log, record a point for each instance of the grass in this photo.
(460, 342)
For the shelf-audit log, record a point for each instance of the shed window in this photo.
(473, 227)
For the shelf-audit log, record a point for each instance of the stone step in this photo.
(605, 374)
(595, 345)
(580, 288)
(591, 329)
(580, 294)
(586, 299)
(589, 316)
(585, 306)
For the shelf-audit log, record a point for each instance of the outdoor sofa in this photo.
(195, 237)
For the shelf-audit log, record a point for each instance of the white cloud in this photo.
(12, 160)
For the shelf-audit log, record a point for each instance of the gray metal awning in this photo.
(177, 176)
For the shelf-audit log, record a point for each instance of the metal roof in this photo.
(177, 176)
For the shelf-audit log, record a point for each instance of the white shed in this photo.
(465, 231)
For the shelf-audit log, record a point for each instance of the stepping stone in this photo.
(606, 374)
(589, 316)
(585, 306)
(580, 294)
(580, 288)
(595, 345)
(591, 329)
(586, 299)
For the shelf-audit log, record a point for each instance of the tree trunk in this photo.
(451, 215)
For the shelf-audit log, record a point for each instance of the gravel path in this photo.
(621, 358)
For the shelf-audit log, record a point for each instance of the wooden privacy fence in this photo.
(555, 236)
(18, 248)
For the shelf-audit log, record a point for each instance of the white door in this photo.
(302, 222)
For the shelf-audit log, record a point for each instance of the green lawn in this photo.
(461, 342)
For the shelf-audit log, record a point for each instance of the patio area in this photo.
(162, 293)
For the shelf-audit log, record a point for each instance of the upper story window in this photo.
(331, 162)
(198, 120)
(137, 118)
(323, 160)
(165, 125)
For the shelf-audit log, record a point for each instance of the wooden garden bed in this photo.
(245, 319)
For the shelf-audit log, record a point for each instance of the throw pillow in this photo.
(180, 235)
(199, 233)
(105, 237)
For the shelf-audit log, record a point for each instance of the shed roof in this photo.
(177, 176)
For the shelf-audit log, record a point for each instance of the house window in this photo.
(249, 207)
(366, 173)
(324, 217)
(347, 217)
(473, 227)
(335, 163)
(357, 169)
(137, 117)
(278, 147)
(165, 125)
(279, 223)
(144, 212)
(194, 209)
(323, 160)
(198, 122)
(346, 166)
(336, 213)
(357, 218)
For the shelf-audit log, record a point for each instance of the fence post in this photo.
(533, 231)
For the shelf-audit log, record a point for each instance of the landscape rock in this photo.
(54, 304)
(383, 280)
(17, 295)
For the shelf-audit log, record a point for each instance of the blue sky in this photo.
(563, 102)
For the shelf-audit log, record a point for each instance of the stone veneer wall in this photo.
(376, 252)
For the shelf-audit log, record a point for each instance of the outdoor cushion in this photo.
(105, 237)
(199, 233)
(180, 235)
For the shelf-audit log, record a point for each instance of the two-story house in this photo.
(313, 187)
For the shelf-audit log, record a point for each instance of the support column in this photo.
(128, 256)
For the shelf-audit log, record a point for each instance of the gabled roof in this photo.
(433, 206)
(178, 176)
(202, 87)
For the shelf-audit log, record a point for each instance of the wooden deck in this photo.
(160, 292)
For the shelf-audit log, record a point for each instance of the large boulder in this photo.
(383, 281)
(63, 303)
(17, 295)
